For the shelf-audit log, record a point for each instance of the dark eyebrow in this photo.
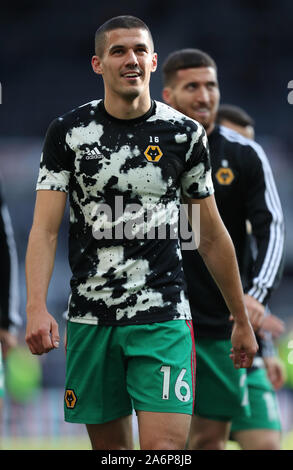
(121, 46)
(142, 45)
(210, 82)
(116, 46)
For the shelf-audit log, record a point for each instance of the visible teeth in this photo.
(131, 75)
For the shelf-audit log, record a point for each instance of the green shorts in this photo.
(1, 375)
(221, 390)
(111, 370)
(265, 412)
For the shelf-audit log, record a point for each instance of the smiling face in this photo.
(195, 93)
(127, 63)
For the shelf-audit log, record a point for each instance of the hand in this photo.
(42, 334)
(275, 371)
(274, 325)
(256, 311)
(244, 345)
(7, 340)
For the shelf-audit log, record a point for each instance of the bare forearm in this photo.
(39, 266)
(42, 333)
(220, 259)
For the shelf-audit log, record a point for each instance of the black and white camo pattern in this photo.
(100, 160)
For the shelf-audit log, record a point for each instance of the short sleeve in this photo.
(56, 160)
(196, 180)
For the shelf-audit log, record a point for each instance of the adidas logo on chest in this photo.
(93, 154)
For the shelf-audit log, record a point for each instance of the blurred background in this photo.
(45, 71)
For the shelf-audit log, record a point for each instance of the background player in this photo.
(10, 319)
(128, 307)
(244, 190)
(262, 429)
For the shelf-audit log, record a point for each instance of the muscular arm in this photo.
(42, 330)
(218, 253)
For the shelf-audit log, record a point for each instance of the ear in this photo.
(154, 61)
(97, 65)
(166, 93)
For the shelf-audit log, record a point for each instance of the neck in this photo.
(127, 108)
(210, 129)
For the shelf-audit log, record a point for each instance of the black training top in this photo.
(245, 191)
(10, 318)
(125, 179)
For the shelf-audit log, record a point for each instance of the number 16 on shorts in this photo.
(182, 388)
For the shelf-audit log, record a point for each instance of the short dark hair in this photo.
(234, 114)
(185, 59)
(124, 21)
